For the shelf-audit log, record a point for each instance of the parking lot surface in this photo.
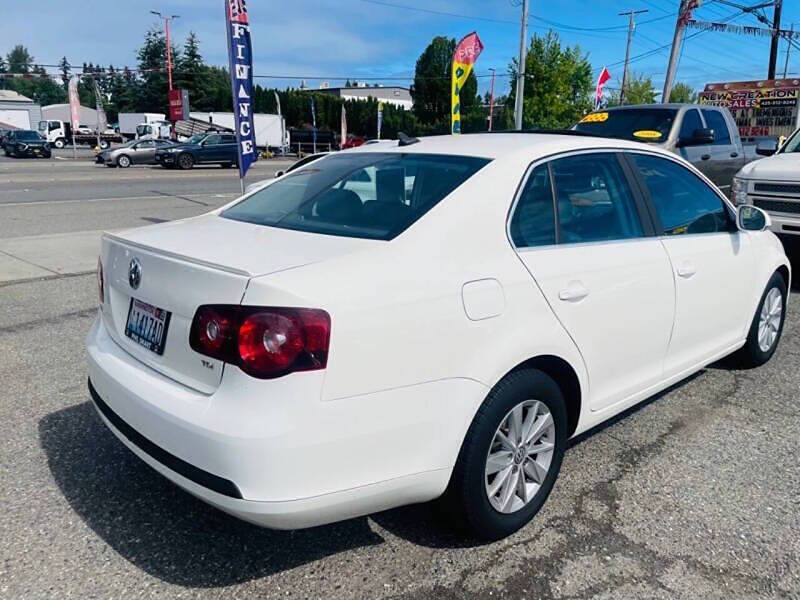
(695, 494)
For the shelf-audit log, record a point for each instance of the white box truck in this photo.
(128, 122)
(270, 129)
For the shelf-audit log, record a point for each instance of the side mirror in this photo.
(700, 137)
(767, 147)
(751, 218)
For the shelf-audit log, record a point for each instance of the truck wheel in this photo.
(60, 143)
(185, 161)
(104, 144)
(124, 161)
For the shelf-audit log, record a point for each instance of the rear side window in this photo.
(593, 199)
(534, 223)
(363, 195)
(691, 123)
(684, 202)
(717, 122)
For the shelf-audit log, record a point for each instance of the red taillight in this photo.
(263, 342)
(101, 290)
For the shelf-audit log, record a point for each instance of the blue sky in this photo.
(371, 39)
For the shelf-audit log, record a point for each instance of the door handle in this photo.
(734, 154)
(686, 270)
(574, 292)
(705, 157)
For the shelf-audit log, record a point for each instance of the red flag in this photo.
(601, 82)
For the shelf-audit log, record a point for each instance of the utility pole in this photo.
(773, 49)
(491, 98)
(523, 34)
(169, 49)
(631, 25)
(788, 50)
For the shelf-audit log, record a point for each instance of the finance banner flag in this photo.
(74, 103)
(464, 58)
(240, 54)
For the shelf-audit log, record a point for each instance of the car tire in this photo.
(767, 326)
(59, 143)
(104, 144)
(470, 499)
(123, 161)
(185, 161)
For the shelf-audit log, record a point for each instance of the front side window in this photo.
(691, 123)
(534, 223)
(593, 199)
(362, 195)
(683, 201)
(717, 122)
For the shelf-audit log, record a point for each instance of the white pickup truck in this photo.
(773, 184)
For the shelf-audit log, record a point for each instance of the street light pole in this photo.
(523, 34)
(169, 48)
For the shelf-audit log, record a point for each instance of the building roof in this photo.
(12, 96)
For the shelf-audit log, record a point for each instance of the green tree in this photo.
(152, 57)
(431, 89)
(638, 90)
(2, 65)
(558, 83)
(66, 69)
(19, 60)
(683, 93)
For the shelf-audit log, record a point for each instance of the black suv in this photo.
(26, 142)
(214, 148)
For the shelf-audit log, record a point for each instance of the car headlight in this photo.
(739, 191)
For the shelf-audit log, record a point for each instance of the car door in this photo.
(144, 152)
(586, 237)
(210, 149)
(698, 155)
(724, 153)
(711, 260)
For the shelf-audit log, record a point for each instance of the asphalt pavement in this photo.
(695, 494)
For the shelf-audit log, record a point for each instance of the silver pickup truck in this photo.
(706, 136)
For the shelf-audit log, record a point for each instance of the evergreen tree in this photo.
(19, 60)
(66, 69)
(152, 57)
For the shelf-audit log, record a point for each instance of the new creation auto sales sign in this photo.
(761, 108)
(240, 53)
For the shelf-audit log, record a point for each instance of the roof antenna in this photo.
(405, 140)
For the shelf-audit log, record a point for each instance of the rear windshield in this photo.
(362, 195)
(639, 124)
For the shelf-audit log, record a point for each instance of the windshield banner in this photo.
(464, 58)
(240, 53)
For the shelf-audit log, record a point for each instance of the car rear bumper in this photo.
(272, 452)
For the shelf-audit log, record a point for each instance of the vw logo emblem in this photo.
(135, 273)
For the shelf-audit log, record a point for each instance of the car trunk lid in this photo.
(185, 264)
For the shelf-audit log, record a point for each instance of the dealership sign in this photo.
(766, 108)
(240, 53)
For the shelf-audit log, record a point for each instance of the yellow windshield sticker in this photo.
(595, 117)
(647, 134)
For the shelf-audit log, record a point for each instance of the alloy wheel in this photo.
(769, 322)
(519, 456)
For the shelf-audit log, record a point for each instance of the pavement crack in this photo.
(54, 320)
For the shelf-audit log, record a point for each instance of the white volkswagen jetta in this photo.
(429, 318)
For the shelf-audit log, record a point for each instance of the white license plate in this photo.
(147, 325)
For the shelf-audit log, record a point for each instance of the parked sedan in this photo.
(214, 148)
(333, 345)
(25, 143)
(132, 153)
